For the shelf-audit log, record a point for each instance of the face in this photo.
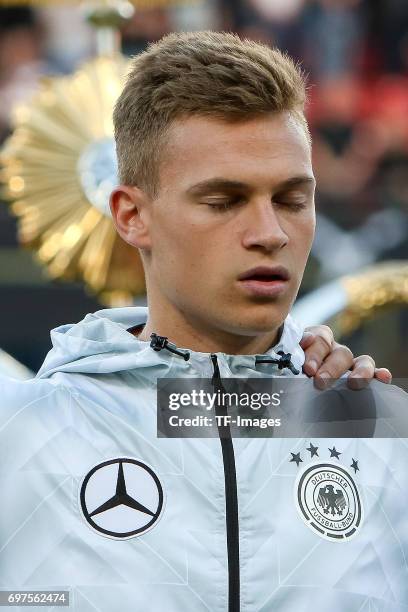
(232, 197)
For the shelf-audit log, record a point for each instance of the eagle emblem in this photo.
(333, 502)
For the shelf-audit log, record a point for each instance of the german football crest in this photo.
(328, 500)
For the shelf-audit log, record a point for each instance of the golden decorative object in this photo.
(382, 285)
(59, 166)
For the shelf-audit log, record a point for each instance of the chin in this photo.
(259, 324)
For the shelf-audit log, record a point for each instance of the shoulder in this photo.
(24, 397)
(374, 411)
(391, 403)
(35, 416)
(380, 410)
(388, 392)
(20, 390)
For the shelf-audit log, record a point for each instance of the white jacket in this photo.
(93, 502)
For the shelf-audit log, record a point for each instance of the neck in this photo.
(192, 333)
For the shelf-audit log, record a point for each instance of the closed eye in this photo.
(293, 200)
(291, 205)
(223, 205)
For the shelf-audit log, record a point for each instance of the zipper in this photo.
(231, 499)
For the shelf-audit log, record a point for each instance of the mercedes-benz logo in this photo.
(121, 498)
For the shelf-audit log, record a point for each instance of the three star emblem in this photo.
(121, 498)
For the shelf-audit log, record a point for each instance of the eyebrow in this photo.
(221, 184)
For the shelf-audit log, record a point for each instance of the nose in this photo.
(262, 227)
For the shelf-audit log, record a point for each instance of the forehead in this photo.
(199, 148)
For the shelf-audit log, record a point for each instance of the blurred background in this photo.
(356, 55)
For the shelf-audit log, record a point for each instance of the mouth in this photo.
(266, 274)
(265, 281)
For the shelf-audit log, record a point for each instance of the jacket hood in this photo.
(101, 344)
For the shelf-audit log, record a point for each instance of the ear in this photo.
(130, 208)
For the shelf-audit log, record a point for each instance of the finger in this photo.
(307, 340)
(335, 365)
(363, 370)
(361, 376)
(383, 375)
(323, 331)
(315, 355)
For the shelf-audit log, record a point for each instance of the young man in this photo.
(217, 194)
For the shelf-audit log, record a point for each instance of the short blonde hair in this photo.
(213, 74)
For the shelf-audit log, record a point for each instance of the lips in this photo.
(266, 274)
(265, 282)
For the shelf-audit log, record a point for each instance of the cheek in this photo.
(308, 233)
(182, 255)
(302, 237)
(180, 237)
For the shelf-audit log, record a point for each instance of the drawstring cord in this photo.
(285, 361)
(158, 343)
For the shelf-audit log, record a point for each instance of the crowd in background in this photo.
(356, 55)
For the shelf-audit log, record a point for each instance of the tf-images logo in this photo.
(121, 498)
(327, 497)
